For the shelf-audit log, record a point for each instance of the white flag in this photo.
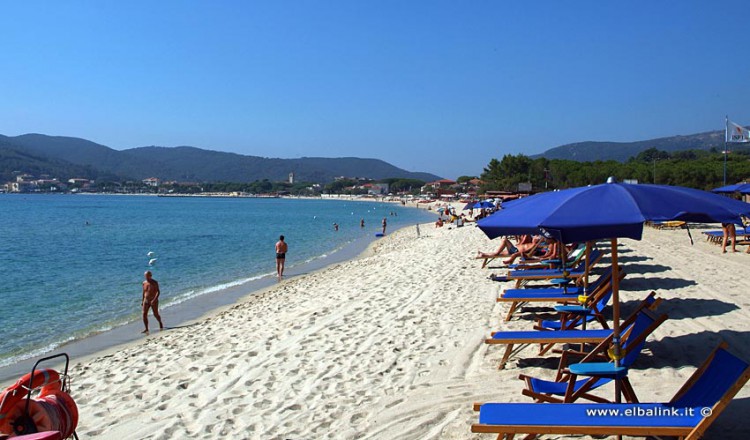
(736, 133)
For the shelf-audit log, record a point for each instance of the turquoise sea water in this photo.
(73, 264)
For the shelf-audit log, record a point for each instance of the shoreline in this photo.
(194, 309)
(187, 312)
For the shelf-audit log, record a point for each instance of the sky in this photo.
(434, 86)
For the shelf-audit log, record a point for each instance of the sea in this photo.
(73, 264)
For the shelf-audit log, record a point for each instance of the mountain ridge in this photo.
(187, 163)
(590, 151)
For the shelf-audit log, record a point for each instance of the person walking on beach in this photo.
(150, 300)
(729, 234)
(384, 225)
(281, 248)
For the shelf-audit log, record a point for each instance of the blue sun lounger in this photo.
(572, 260)
(573, 316)
(690, 412)
(566, 388)
(521, 276)
(533, 291)
(548, 338)
(519, 297)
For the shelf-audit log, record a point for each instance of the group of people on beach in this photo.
(527, 247)
(151, 292)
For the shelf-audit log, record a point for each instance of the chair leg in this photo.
(506, 356)
(570, 388)
(512, 310)
(545, 348)
(571, 396)
(628, 392)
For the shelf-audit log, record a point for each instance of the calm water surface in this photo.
(73, 264)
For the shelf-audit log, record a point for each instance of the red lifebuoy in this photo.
(51, 410)
(48, 379)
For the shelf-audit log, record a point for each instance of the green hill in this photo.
(72, 156)
(622, 151)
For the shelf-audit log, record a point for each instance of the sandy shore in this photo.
(390, 345)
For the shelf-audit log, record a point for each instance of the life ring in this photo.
(52, 412)
(47, 378)
(52, 409)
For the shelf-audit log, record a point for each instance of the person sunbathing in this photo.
(506, 249)
(526, 249)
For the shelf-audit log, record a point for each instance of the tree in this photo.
(651, 155)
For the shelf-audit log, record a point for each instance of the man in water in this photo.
(150, 300)
(281, 249)
(384, 225)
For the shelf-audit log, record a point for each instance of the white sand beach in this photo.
(390, 346)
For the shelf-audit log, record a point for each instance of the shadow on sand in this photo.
(646, 268)
(686, 308)
(633, 259)
(548, 363)
(641, 284)
(691, 349)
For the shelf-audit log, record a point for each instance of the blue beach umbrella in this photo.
(743, 188)
(482, 205)
(610, 211)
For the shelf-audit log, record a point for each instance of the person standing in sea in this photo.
(150, 300)
(281, 248)
(384, 225)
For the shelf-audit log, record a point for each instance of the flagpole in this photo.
(725, 164)
(726, 135)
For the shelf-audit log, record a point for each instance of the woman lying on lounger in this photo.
(506, 249)
(552, 250)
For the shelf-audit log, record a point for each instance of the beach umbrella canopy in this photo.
(469, 205)
(728, 189)
(482, 205)
(610, 211)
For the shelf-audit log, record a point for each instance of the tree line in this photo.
(702, 169)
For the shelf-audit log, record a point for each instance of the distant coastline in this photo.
(224, 195)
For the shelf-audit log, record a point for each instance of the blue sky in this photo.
(436, 86)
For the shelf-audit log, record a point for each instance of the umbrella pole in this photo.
(563, 265)
(616, 314)
(586, 267)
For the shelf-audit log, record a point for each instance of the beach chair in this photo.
(528, 254)
(672, 224)
(523, 276)
(568, 388)
(551, 265)
(567, 294)
(572, 259)
(590, 308)
(576, 315)
(548, 339)
(686, 416)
